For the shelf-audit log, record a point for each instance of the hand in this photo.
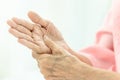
(28, 34)
(60, 65)
(52, 32)
(48, 29)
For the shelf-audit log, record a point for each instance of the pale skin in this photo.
(52, 53)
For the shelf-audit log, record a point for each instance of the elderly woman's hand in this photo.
(31, 34)
(53, 54)
(52, 32)
(61, 65)
(28, 34)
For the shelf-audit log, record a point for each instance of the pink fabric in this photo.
(101, 56)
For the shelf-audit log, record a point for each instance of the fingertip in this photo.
(15, 18)
(8, 22)
(37, 19)
(11, 23)
(9, 31)
(20, 40)
(33, 16)
(31, 13)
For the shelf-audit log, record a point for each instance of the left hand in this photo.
(61, 65)
(31, 35)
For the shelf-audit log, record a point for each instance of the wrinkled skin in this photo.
(55, 59)
(22, 30)
(31, 34)
(60, 65)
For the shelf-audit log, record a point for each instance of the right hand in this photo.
(31, 34)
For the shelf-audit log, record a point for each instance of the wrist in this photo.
(81, 57)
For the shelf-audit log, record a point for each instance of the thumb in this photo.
(37, 19)
(55, 48)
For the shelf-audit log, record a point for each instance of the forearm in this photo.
(81, 57)
(99, 74)
(92, 73)
(78, 71)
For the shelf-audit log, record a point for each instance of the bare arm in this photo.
(100, 74)
(60, 65)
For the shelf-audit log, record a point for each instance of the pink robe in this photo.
(100, 55)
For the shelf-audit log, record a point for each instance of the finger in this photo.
(35, 55)
(19, 34)
(53, 32)
(18, 27)
(37, 34)
(41, 43)
(38, 37)
(43, 30)
(55, 48)
(37, 19)
(38, 56)
(30, 45)
(25, 23)
(37, 30)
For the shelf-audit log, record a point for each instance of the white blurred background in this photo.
(78, 20)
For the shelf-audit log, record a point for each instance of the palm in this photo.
(31, 34)
(51, 31)
(48, 29)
